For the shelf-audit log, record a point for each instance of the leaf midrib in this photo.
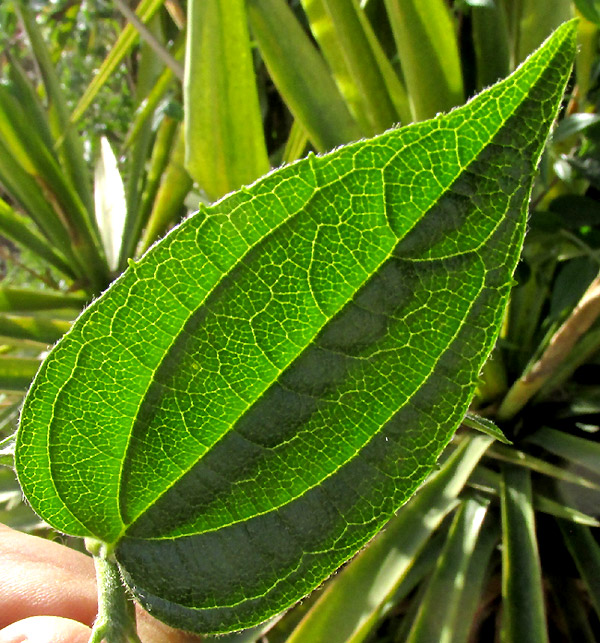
(443, 189)
(347, 461)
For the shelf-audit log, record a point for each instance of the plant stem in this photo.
(115, 622)
(562, 342)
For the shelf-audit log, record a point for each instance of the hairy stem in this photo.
(115, 622)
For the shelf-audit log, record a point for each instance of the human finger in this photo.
(45, 629)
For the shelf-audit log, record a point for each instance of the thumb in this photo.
(45, 629)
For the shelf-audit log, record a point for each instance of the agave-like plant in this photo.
(502, 539)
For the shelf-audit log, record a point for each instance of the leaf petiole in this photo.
(115, 622)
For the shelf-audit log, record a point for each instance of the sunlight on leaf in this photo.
(247, 405)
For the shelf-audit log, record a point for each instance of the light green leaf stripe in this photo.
(225, 143)
(27, 299)
(425, 36)
(301, 75)
(38, 329)
(446, 586)
(357, 61)
(247, 405)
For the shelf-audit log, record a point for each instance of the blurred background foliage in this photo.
(117, 119)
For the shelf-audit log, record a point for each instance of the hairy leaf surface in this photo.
(246, 406)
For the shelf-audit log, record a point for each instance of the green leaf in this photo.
(586, 553)
(571, 605)
(536, 25)
(225, 143)
(573, 125)
(31, 172)
(490, 42)
(468, 611)
(248, 405)
(425, 36)
(175, 183)
(69, 145)
(16, 373)
(353, 601)
(559, 509)
(167, 134)
(156, 94)
(523, 616)
(127, 38)
(301, 75)
(20, 151)
(485, 425)
(444, 591)
(541, 466)
(21, 87)
(573, 448)
(251, 635)
(586, 53)
(363, 73)
(39, 329)
(144, 143)
(589, 9)
(28, 299)
(16, 227)
(295, 146)
(483, 479)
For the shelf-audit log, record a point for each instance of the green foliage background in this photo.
(363, 68)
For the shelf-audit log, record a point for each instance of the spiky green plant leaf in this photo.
(246, 406)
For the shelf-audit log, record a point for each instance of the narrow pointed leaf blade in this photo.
(127, 38)
(175, 184)
(427, 46)
(474, 581)
(70, 147)
(17, 228)
(111, 206)
(301, 75)
(353, 602)
(586, 553)
(246, 406)
(358, 63)
(18, 300)
(225, 143)
(578, 450)
(485, 425)
(37, 328)
(444, 591)
(523, 616)
(490, 43)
